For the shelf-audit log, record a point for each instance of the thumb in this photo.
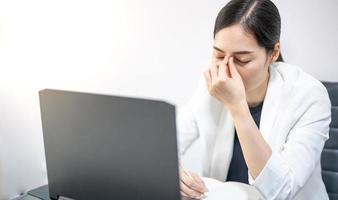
(232, 68)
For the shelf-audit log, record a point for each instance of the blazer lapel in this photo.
(271, 103)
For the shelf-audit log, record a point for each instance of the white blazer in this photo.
(295, 123)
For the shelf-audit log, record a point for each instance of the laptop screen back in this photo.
(109, 147)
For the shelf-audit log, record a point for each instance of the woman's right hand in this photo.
(191, 185)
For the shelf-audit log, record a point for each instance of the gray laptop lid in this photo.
(109, 147)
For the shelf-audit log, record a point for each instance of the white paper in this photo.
(230, 190)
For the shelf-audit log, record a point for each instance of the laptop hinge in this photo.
(64, 198)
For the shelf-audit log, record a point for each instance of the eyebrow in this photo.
(236, 52)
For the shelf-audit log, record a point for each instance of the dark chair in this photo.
(329, 158)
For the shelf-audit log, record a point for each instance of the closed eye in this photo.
(242, 61)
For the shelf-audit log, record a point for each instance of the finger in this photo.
(198, 179)
(222, 71)
(184, 194)
(232, 68)
(214, 71)
(188, 191)
(186, 179)
(201, 185)
(190, 182)
(226, 65)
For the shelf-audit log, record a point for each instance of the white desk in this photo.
(217, 190)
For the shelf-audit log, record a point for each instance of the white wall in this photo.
(310, 36)
(142, 48)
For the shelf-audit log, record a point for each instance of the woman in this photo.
(260, 121)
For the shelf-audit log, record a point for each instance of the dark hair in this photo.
(258, 17)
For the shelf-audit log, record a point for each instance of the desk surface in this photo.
(41, 193)
(217, 190)
(26, 197)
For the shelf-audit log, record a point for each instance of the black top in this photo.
(238, 170)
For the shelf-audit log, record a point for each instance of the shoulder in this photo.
(299, 84)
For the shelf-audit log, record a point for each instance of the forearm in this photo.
(255, 149)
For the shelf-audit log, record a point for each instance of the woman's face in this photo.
(252, 61)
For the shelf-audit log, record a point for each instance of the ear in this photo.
(275, 53)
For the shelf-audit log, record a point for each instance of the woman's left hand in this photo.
(225, 83)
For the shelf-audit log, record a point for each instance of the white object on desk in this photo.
(230, 190)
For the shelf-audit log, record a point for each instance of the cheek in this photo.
(252, 75)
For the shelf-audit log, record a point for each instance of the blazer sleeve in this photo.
(187, 131)
(186, 121)
(288, 170)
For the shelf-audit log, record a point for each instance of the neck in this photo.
(257, 95)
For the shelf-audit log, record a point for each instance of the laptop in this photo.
(109, 147)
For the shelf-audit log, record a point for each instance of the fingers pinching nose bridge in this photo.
(226, 60)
